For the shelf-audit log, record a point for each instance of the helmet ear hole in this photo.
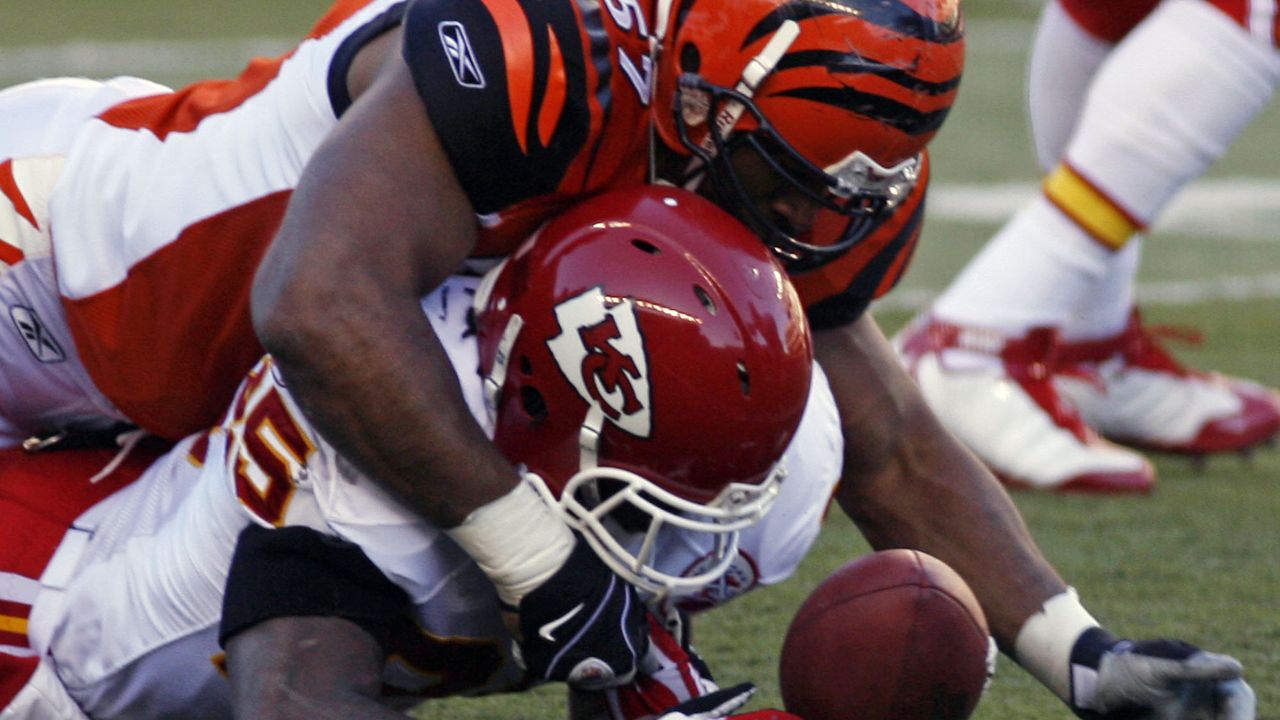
(690, 58)
(744, 378)
(526, 367)
(705, 298)
(645, 246)
(533, 403)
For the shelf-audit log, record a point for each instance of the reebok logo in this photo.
(39, 341)
(462, 58)
(545, 632)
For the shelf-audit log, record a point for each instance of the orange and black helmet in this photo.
(838, 96)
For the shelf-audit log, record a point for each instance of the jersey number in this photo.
(269, 449)
(627, 15)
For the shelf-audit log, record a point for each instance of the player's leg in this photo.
(131, 620)
(1193, 77)
(1072, 40)
(981, 356)
(1153, 120)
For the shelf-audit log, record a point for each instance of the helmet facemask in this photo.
(630, 522)
(857, 189)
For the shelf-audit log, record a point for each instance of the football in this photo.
(893, 635)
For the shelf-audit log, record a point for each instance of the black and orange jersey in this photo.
(537, 104)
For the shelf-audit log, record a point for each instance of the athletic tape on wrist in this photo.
(1045, 640)
(518, 541)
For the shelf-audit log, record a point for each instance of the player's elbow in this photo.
(288, 317)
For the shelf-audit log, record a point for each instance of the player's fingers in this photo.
(1206, 666)
(1238, 701)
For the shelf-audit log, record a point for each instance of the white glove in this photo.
(1155, 680)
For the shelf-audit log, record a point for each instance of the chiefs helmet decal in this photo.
(602, 354)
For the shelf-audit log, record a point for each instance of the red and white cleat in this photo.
(1009, 413)
(1130, 389)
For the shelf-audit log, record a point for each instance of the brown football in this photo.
(893, 635)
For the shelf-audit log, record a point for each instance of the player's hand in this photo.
(584, 625)
(1155, 680)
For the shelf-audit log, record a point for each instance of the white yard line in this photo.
(1234, 209)
(1239, 208)
(145, 58)
(1174, 292)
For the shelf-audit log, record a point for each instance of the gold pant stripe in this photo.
(1093, 211)
(11, 624)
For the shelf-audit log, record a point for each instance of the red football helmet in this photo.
(647, 358)
(838, 97)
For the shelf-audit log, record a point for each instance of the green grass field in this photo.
(1198, 559)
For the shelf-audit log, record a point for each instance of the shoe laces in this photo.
(1032, 361)
(1147, 351)
(1139, 345)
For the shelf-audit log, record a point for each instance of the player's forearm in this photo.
(380, 388)
(939, 503)
(386, 397)
(908, 483)
(377, 221)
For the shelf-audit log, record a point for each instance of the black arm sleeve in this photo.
(488, 81)
(297, 571)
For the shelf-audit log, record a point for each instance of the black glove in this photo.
(1113, 679)
(584, 625)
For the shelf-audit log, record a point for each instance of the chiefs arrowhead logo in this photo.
(601, 352)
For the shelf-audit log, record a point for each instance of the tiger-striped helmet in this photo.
(839, 97)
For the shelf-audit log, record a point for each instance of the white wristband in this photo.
(1045, 641)
(518, 540)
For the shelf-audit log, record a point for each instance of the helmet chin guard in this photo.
(591, 499)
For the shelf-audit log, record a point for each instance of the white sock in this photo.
(1031, 274)
(1154, 120)
(1104, 312)
(1063, 61)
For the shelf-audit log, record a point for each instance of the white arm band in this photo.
(1044, 643)
(518, 540)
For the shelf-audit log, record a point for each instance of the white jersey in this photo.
(129, 606)
(44, 383)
